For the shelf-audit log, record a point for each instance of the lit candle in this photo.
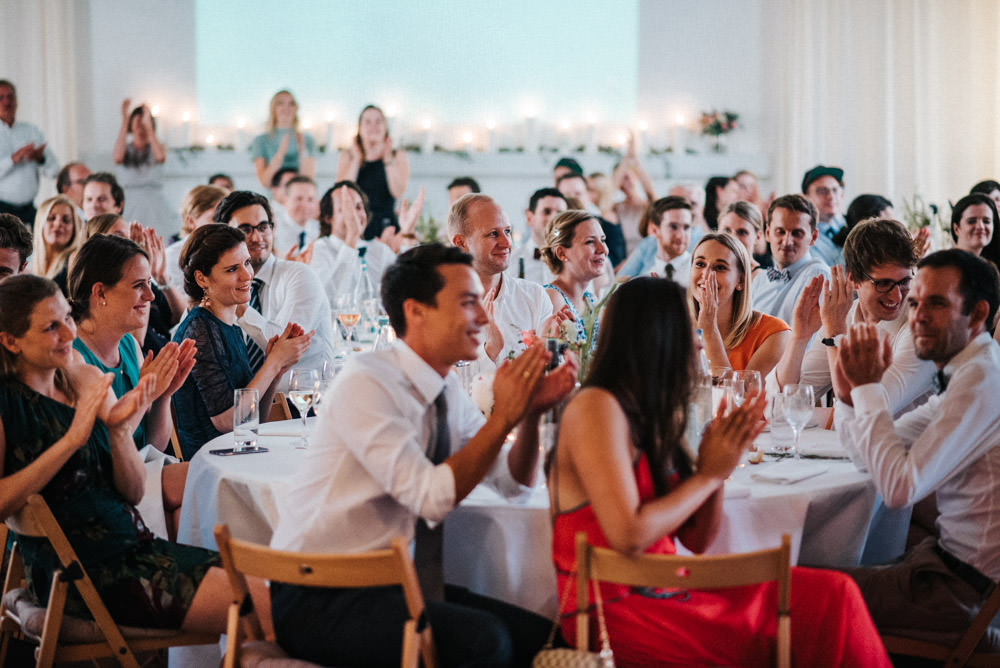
(677, 130)
(330, 133)
(210, 140)
(640, 144)
(530, 134)
(491, 127)
(591, 143)
(428, 143)
(241, 134)
(467, 142)
(185, 129)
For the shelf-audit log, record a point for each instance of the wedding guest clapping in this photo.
(140, 174)
(283, 145)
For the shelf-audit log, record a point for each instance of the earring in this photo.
(206, 301)
(104, 302)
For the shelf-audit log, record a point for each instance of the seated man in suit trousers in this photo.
(400, 446)
(950, 445)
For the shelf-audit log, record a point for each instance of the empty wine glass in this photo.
(303, 386)
(733, 387)
(753, 384)
(799, 404)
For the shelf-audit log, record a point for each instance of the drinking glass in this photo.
(799, 404)
(303, 385)
(733, 387)
(348, 313)
(782, 435)
(246, 419)
(753, 384)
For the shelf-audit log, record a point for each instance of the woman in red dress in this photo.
(621, 473)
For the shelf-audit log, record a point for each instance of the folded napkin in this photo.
(823, 443)
(788, 472)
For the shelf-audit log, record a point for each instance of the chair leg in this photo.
(411, 645)
(46, 652)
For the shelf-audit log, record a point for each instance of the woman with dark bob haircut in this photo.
(64, 435)
(217, 277)
(621, 473)
(974, 227)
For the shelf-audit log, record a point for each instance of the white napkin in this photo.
(788, 472)
(822, 443)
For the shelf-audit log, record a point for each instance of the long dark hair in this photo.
(645, 358)
(101, 259)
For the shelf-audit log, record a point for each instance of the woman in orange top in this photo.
(736, 336)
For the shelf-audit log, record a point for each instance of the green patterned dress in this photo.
(144, 581)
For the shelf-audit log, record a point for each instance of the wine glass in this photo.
(753, 384)
(303, 386)
(799, 404)
(348, 313)
(733, 387)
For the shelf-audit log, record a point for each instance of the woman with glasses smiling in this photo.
(879, 258)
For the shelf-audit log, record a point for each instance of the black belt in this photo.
(968, 574)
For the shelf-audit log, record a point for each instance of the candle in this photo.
(491, 127)
(242, 141)
(641, 140)
(467, 141)
(428, 143)
(530, 134)
(677, 132)
(331, 133)
(591, 142)
(185, 133)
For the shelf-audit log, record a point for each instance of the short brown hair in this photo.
(559, 231)
(796, 203)
(877, 241)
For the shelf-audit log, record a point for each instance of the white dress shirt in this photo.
(681, 265)
(366, 475)
(172, 257)
(535, 270)
(950, 445)
(519, 305)
(907, 382)
(287, 233)
(337, 265)
(291, 293)
(19, 182)
(778, 297)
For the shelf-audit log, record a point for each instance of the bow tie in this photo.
(940, 381)
(778, 274)
(538, 253)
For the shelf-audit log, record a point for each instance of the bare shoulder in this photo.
(593, 406)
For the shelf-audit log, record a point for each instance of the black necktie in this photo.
(254, 352)
(302, 239)
(668, 270)
(774, 274)
(940, 381)
(428, 549)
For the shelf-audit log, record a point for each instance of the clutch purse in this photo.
(550, 657)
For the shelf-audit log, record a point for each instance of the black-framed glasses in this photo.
(263, 226)
(884, 285)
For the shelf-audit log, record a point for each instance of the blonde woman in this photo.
(197, 209)
(283, 145)
(57, 233)
(736, 336)
(576, 253)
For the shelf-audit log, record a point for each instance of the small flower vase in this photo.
(718, 146)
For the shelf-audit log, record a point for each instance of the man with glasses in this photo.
(70, 182)
(282, 291)
(824, 187)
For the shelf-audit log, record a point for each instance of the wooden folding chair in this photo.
(962, 653)
(61, 638)
(279, 409)
(367, 569)
(699, 572)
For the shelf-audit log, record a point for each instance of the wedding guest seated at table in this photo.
(791, 232)
(990, 188)
(300, 226)
(336, 255)
(719, 192)
(282, 292)
(401, 445)
(824, 187)
(973, 227)
(735, 335)
(462, 185)
(110, 294)
(57, 234)
(65, 436)
(645, 251)
(69, 182)
(478, 226)
(574, 186)
(222, 180)
(15, 245)
(669, 222)
(622, 473)
(879, 259)
(743, 220)
(217, 276)
(575, 252)
(950, 446)
(197, 209)
(861, 208)
(102, 194)
(527, 262)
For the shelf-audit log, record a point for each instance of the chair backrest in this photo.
(699, 572)
(367, 569)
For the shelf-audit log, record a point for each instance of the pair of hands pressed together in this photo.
(729, 435)
(29, 152)
(521, 387)
(831, 313)
(288, 347)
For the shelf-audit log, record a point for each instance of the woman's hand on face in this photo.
(708, 300)
(88, 404)
(727, 437)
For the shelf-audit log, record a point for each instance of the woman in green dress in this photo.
(65, 435)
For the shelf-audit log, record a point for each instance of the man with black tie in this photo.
(670, 220)
(400, 445)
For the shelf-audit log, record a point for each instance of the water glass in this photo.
(782, 435)
(799, 405)
(246, 419)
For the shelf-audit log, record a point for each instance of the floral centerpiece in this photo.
(925, 223)
(717, 123)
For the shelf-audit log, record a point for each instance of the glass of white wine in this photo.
(303, 386)
(348, 312)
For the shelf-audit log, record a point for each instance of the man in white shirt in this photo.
(791, 232)
(950, 446)
(670, 220)
(282, 291)
(879, 259)
(478, 226)
(300, 228)
(401, 445)
(23, 154)
(527, 264)
(824, 187)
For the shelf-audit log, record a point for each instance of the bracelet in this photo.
(408, 235)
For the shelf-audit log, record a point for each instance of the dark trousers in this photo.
(364, 627)
(26, 212)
